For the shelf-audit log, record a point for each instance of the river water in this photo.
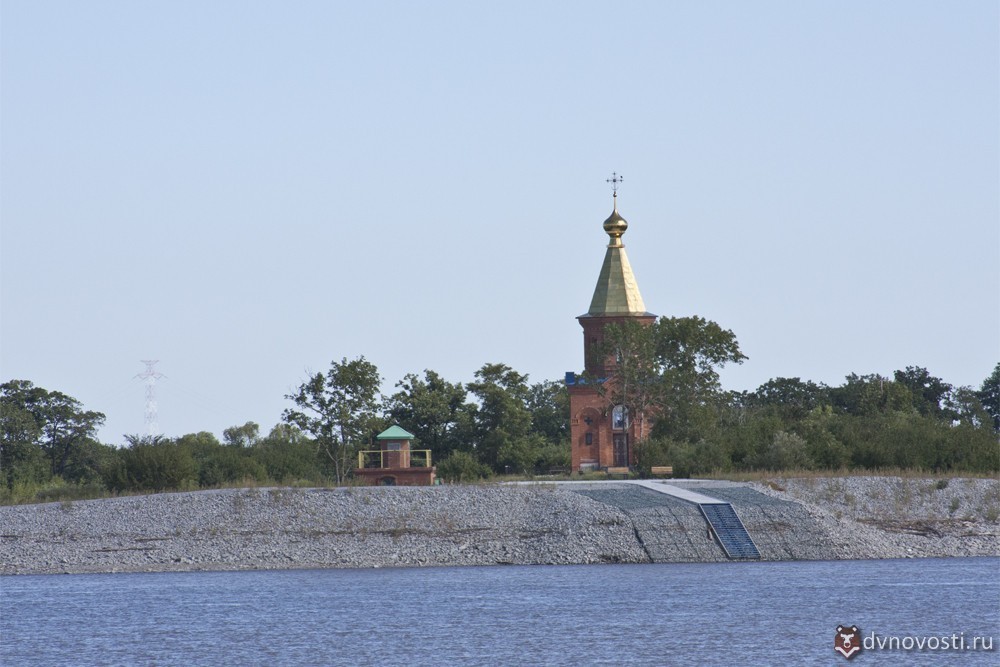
(675, 614)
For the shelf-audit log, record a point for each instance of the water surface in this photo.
(741, 613)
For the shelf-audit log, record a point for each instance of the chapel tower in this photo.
(600, 433)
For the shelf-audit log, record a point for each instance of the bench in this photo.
(661, 471)
(623, 470)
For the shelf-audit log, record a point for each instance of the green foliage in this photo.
(965, 406)
(865, 395)
(742, 439)
(154, 464)
(434, 411)
(227, 466)
(550, 456)
(786, 451)
(790, 398)
(651, 452)
(636, 375)
(823, 448)
(548, 403)
(289, 456)
(913, 421)
(22, 460)
(462, 467)
(699, 458)
(669, 369)
(502, 418)
(53, 489)
(531, 454)
(50, 420)
(339, 410)
(928, 394)
(244, 436)
(989, 396)
(693, 348)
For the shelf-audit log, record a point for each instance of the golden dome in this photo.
(615, 225)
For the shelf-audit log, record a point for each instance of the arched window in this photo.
(619, 418)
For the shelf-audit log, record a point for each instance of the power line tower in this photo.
(150, 376)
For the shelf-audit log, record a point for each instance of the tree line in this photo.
(909, 420)
(500, 423)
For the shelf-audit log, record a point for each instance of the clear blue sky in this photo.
(249, 190)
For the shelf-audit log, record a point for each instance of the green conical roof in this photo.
(395, 432)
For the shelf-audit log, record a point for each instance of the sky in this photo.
(247, 191)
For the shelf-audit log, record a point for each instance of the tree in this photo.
(462, 467)
(692, 349)
(636, 379)
(864, 395)
(433, 410)
(244, 436)
(790, 397)
(669, 369)
(548, 403)
(61, 425)
(339, 409)
(502, 416)
(989, 396)
(787, 451)
(824, 449)
(965, 406)
(929, 394)
(289, 456)
(154, 463)
(22, 460)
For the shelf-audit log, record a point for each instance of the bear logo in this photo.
(847, 642)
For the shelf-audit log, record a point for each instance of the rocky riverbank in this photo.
(234, 529)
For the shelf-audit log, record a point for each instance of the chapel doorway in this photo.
(620, 441)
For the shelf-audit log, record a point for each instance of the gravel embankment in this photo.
(789, 519)
(899, 517)
(302, 528)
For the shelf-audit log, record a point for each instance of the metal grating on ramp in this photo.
(732, 534)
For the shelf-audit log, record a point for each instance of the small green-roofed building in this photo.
(394, 462)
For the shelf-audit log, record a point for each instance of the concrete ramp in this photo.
(676, 492)
(726, 525)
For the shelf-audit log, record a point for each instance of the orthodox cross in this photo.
(615, 180)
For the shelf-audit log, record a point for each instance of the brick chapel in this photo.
(601, 434)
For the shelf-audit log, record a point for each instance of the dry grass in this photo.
(765, 476)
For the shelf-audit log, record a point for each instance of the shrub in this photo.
(157, 467)
(227, 465)
(553, 456)
(786, 451)
(699, 458)
(462, 467)
(288, 462)
(651, 452)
